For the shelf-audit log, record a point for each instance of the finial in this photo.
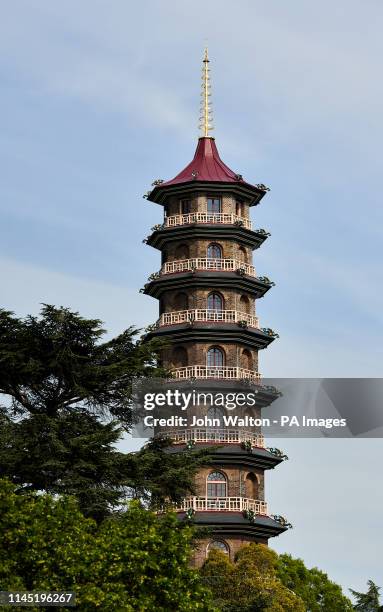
(206, 119)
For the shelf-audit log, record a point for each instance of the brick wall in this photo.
(198, 248)
(198, 203)
(197, 298)
(197, 354)
(239, 484)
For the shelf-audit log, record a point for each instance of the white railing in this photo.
(207, 263)
(205, 217)
(198, 371)
(231, 504)
(199, 314)
(230, 436)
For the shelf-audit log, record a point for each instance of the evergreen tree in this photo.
(67, 402)
(370, 601)
(55, 362)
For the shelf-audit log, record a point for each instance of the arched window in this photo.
(184, 207)
(215, 357)
(246, 360)
(244, 304)
(215, 412)
(216, 485)
(182, 251)
(214, 205)
(215, 301)
(181, 301)
(242, 254)
(238, 208)
(251, 486)
(218, 545)
(216, 433)
(214, 251)
(179, 357)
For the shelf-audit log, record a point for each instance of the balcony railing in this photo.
(206, 263)
(205, 217)
(215, 316)
(229, 436)
(230, 504)
(216, 372)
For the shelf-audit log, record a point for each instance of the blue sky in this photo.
(98, 99)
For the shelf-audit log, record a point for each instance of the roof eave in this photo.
(161, 192)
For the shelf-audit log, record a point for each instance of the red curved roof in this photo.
(206, 166)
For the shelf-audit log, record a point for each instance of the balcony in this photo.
(216, 372)
(206, 263)
(208, 316)
(205, 217)
(228, 436)
(228, 504)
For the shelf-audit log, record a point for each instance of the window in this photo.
(215, 412)
(218, 545)
(216, 485)
(242, 254)
(215, 301)
(215, 357)
(179, 357)
(238, 208)
(182, 251)
(244, 304)
(251, 486)
(181, 301)
(246, 360)
(214, 251)
(214, 205)
(184, 207)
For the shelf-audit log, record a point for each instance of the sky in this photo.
(100, 98)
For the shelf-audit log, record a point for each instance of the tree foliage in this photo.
(370, 601)
(132, 561)
(250, 584)
(67, 399)
(55, 362)
(312, 585)
(157, 475)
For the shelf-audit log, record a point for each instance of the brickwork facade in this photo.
(196, 353)
(241, 482)
(198, 298)
(200, 248)
(199, 203)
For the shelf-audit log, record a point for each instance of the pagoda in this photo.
(207, 290)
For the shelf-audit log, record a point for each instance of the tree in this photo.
(55, 362)
(68, 402)
(368, 602)
(313, 586)
(156, 475)
(132, 561)
(250, 584)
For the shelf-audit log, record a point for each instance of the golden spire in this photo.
(206, 118)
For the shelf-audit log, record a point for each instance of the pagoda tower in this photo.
(207, 290)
